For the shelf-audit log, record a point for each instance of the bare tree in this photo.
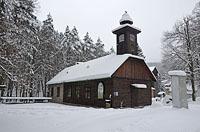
(180, 49)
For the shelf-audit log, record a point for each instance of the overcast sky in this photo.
(99, 17)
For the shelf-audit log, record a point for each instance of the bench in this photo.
(18, 100)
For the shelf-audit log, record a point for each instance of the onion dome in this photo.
(126, 19)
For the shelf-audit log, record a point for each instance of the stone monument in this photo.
(179, 91)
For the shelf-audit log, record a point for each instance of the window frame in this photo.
(132, 37)
(121, 38)
(100, 90)
(69, 92)
(58, 92)
(88, 92)
(52, 92)
(77, 92)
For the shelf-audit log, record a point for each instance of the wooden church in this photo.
(116, 80)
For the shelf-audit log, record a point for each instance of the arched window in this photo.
(100, 90)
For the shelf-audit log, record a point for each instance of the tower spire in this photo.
(126, 19)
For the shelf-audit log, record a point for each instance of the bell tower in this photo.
(126, 35)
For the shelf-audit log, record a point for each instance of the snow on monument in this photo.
(179, 92)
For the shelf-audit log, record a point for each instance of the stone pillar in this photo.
(179, 91)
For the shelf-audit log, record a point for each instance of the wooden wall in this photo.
(141, 96)
(93, 84)
(130, 72)
(134, 69)
(53, 92)
(130, 96)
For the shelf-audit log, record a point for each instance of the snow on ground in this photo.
(50, 117)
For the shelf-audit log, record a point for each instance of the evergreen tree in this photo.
(88, 47)
(71, 47)
(27, 26)
(99, 49)
(46, 55)
(66, 37)
(112, 51)
(17, 30)
(32, 53)
(140, 53)
(75, 41)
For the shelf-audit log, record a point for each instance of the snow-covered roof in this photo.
(177, 73)
(124, 25)
(102, 67)
(139, 85)
(125, 17)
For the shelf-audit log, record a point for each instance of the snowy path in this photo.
(49, 117)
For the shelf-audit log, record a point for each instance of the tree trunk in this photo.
(16, 87)
(192, 82)
(190, 58)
